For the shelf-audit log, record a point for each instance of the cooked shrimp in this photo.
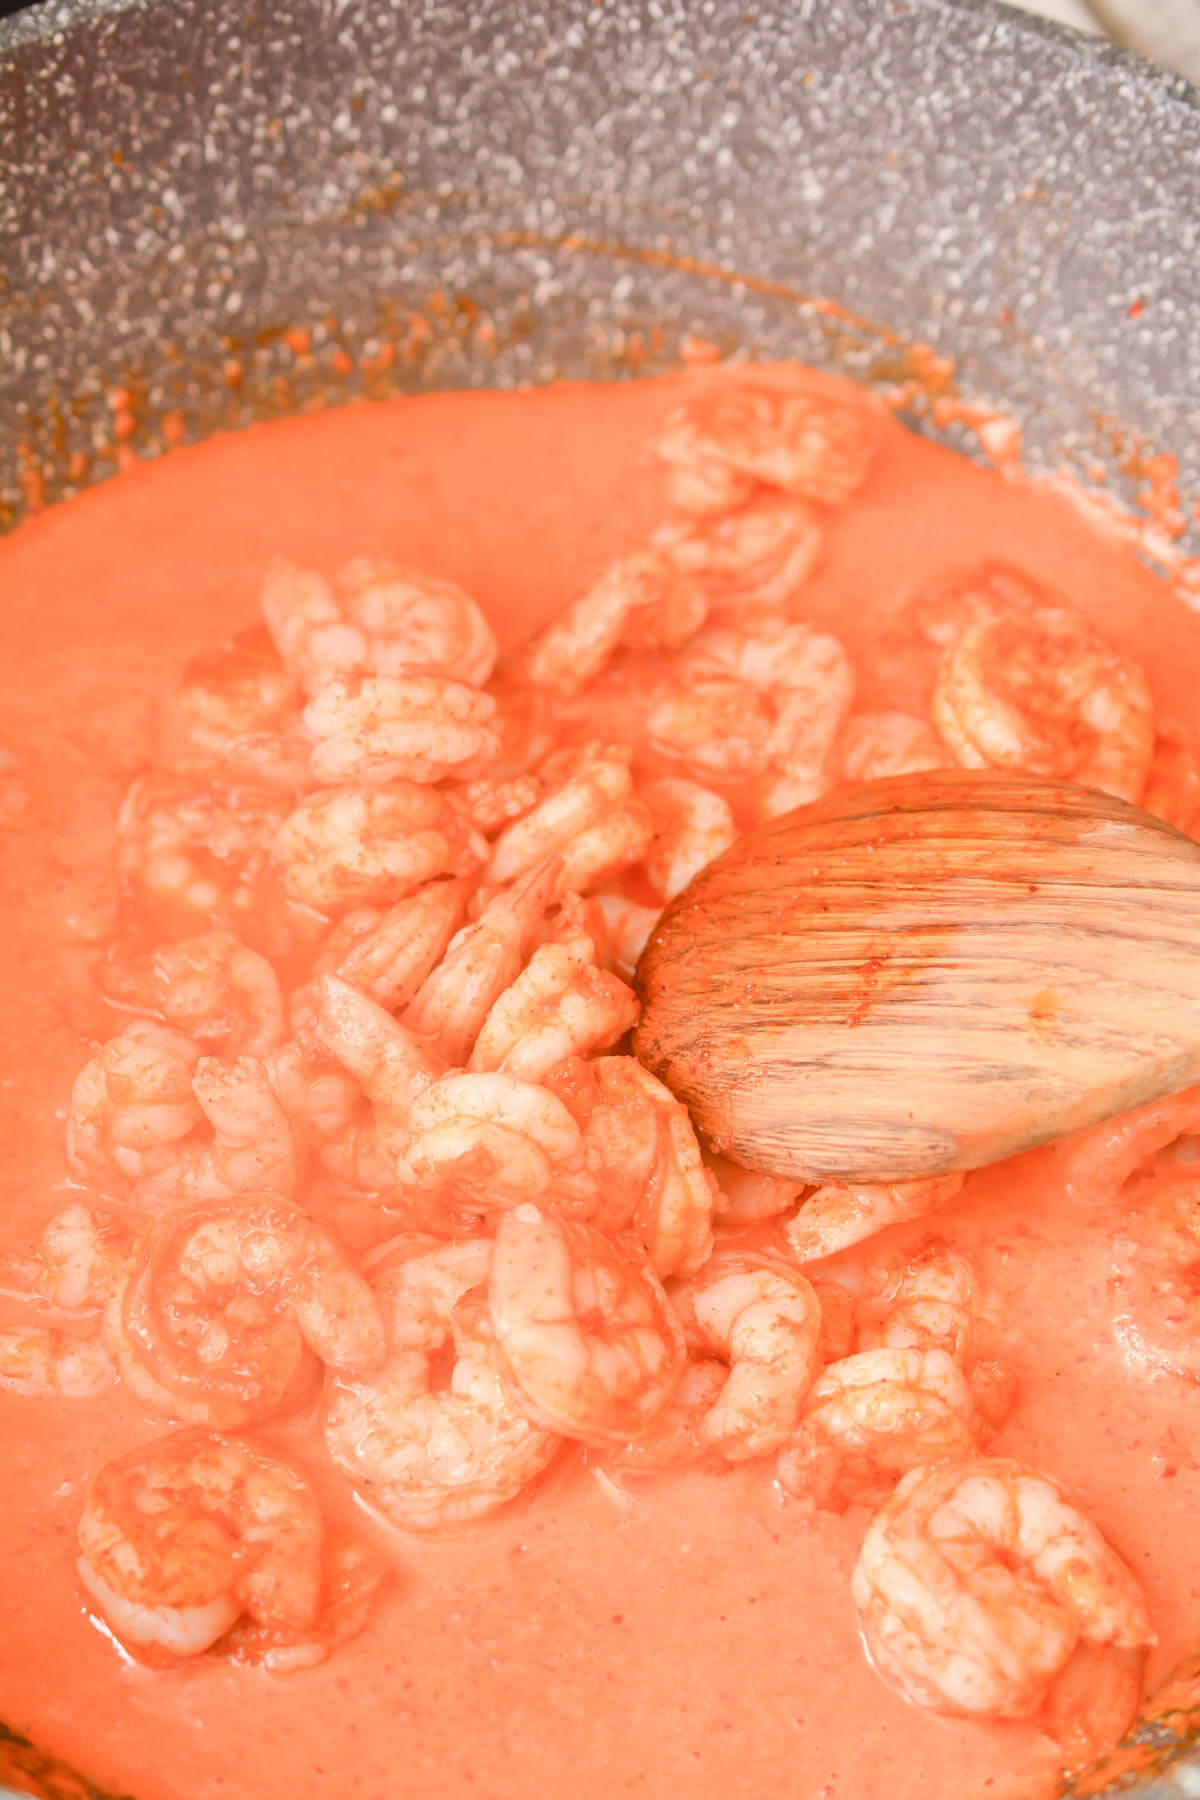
(73, 1264)
(388, 956)
(756, 558)
(371, 846)
(872, 1416)
(489, 804)
(381, 728)
(627, 928)
(354, 1572)
(747, 1195)
(734, 437)
(482, 960)
(224, 1308)
(691, 826)
(132, 1105)
(560, 1005)
(377, 620)
(928, 1304)
(765, 1319)
(1158, 1141)
(644, 602)
(976, 1582)
(251, 1148)
(331, 1119)
(390, 1065)
(45, 1361)
(431, 1451)
(181, 1536)
(841, 1214)
(589, 819)
(676, 1436)
(240, 713)
(1040, 691)
(875, 745)
(490, 1140)
(217, 990)
(202, 847)
(586, 1338)
(1152, 1292)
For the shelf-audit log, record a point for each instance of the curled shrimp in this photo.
(590, 820)
(381, 728)
(215, 988)
(46, 1361)
(976, 1582)
(74, 1262)
(183, 1537)
(876, 745)
(239, 713)
(250, 1146)
(644, 602)
(1129, 1154)
(391, 1066)
(376, 619)
(388, 956)
(224, 1310)
(874, 1415)
(691, 826)
(765, 1319)
(427, 1450)
(840, 1214)
(481, 961)
(132, 1105)
(747, 1195)
(799, 436)
(756, 558)
(1040, 691)
(201, 848)
(371, 846)
(560, 1005)
(490, 1140)
(585, 1336)
(676, 1437)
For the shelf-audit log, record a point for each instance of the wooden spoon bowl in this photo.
(925, 974)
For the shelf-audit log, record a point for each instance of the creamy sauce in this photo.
(694, 1633)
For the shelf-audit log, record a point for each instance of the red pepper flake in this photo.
(172, 428)
(298, 339)
(1136, 308)
(342, 363)
(233, 373)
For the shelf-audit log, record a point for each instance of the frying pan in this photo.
(213, 211)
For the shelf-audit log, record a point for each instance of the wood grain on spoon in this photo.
(927, 973)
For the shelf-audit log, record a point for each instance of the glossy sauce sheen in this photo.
(696, 1635)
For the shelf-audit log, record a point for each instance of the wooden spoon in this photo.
(927, 973)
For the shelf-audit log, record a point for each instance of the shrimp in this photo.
(389, 956)
(251, 1148)
(372, 846)
(221, 993)
(757, 558)
(377, 619)
(560, 1005)
(430, 1450)
(676, 1437)
(182, 1537)
(389, 1063)
(482, 960)
(928, 1305)
(872, 1416)
(489, 804)
(239, 712)
(627, 929)
(644, 1157)
(1128, 1155)
(766, 1320)
(590, 820)
(1040, 691)
(224, 1308)
(490, 1140)
(132, 1105)
(45, 1361)
(586, 1339)
(747, 1195)
(875, 745)
(840, 1214)
(200, 847)
(726, 442)
(414, 727)
(74, 1262)
(645, 602)
(353, 1575)
(976, 1582)
(1153, 1294)
(691, 826)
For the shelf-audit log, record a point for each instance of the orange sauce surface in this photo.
(695, 1634)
